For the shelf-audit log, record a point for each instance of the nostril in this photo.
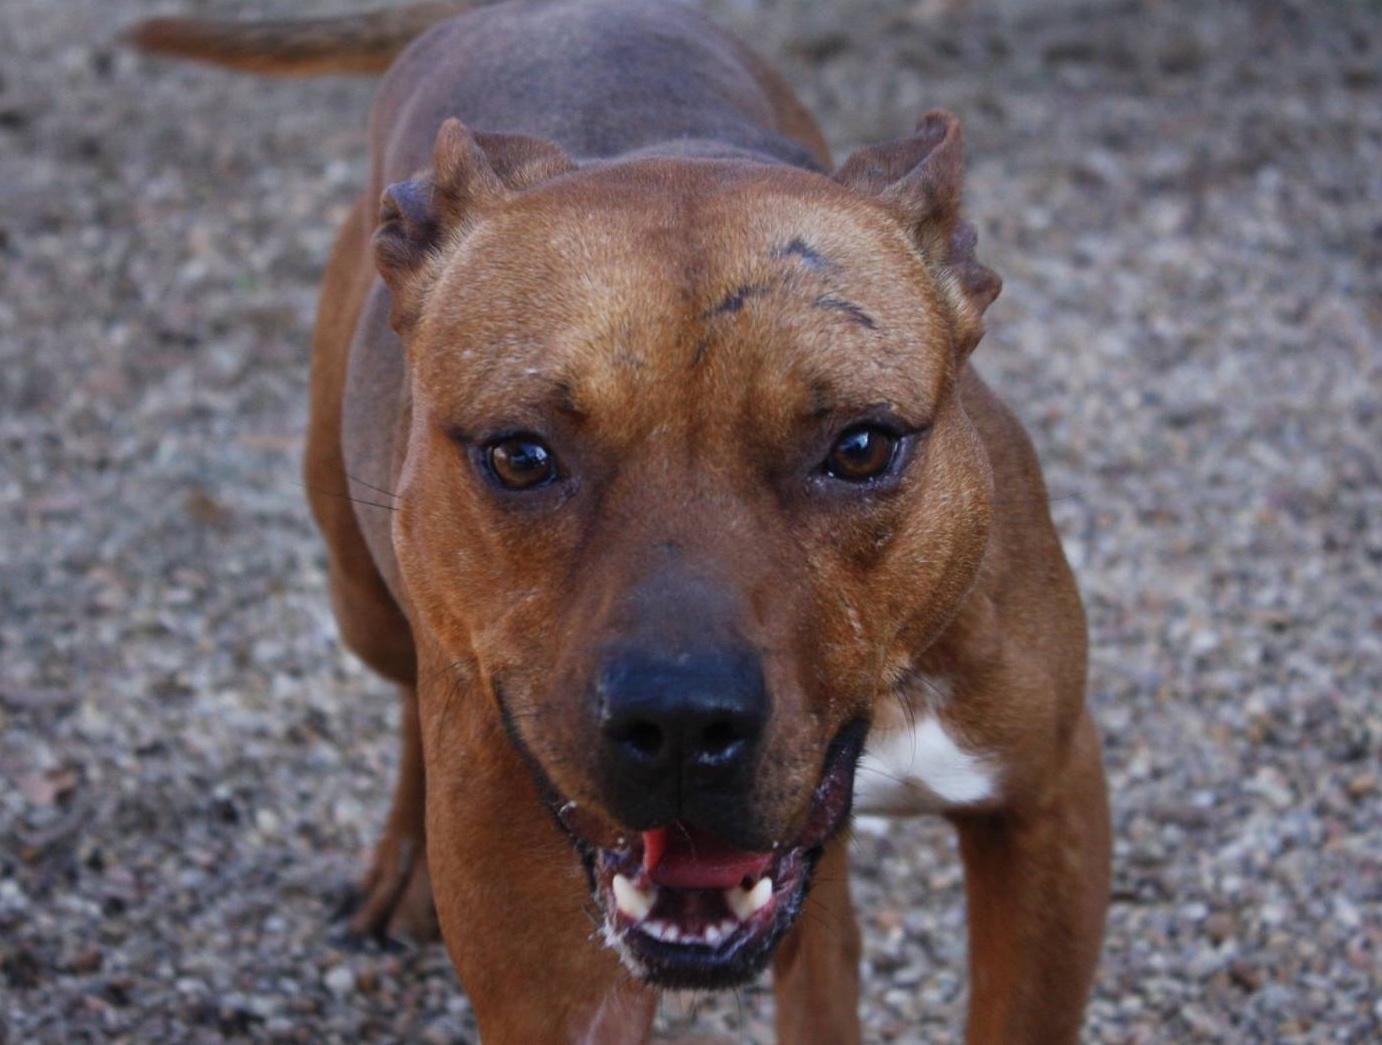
(664, 714)
(718, 740)
(642, 738)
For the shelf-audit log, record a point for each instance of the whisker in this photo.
(881, 773)
(348, 497)
(371, 486)
(929, 684)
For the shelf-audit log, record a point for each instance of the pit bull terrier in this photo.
(702, 528)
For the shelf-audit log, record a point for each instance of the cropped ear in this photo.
(919, 178)
(470, 175)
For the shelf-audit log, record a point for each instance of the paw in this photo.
(394, 900)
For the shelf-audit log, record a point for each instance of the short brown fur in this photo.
(637, 255)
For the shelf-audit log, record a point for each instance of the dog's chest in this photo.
(919, 766)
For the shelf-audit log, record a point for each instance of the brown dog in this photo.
(695, 488)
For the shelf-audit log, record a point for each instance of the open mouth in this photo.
(685, 909)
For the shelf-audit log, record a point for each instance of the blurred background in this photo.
(1185, 202)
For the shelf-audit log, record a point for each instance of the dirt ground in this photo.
(1185, 201)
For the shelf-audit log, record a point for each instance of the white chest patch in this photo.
(909, 772)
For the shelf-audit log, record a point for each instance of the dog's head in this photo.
(688, 485)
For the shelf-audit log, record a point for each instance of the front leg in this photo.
(513, 901)
(1037, 885)
(396, 895)
(816, 970)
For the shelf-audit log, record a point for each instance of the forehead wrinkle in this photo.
(800, 365)
(833, 393)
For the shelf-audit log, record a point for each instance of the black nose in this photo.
(678, 726)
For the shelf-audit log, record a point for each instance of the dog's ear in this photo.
(470, 175)
(920, 178)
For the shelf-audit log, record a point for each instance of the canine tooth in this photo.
(760, 894)
(734, 900)
(738, 901)
(747, 902)
(631, 900)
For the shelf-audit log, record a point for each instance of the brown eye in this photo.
(520, 463)
(860, 454)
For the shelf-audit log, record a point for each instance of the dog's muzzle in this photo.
(686, 907)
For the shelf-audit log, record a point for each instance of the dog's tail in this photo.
(355, 43)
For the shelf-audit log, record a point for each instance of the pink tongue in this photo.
(685, 857)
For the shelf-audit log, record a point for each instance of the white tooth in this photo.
(760, 894)
(631, 900)
(727, 926)
(713, 935)
(664, 931)
(745, 903)
(738, 901)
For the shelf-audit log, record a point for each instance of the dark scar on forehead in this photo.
(735, 301)
(809, 255)
(846, 308)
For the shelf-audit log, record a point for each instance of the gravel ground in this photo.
(1185, 200)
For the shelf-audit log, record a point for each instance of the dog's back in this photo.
(653, 76)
